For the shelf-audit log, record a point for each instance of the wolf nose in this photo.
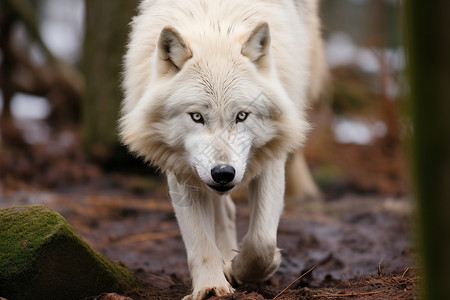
(223, 174)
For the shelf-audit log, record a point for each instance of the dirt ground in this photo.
(354, 246)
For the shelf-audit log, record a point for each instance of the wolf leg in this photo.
(299, 182)
(259, 256)
(225, 229)
(194, 210)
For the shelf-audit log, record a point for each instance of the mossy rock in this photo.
(41, 257)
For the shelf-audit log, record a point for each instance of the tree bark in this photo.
(104, 46)
(428, 53)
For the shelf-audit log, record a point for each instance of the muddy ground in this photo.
(359, 246)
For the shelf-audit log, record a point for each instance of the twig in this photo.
(147, 236)
(161, 278)
(403, 275)
(380, 272)
(345, 295)
(293, 282)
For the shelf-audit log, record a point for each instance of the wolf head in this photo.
(213, 109)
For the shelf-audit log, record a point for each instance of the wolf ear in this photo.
(172, 50)
(257, 46)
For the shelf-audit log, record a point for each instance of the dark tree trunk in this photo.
(104, 45)
(428, 45)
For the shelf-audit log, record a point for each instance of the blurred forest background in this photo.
(60, 95)
(60, 69)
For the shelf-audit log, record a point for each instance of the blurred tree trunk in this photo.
(104, 45)
(428, 41)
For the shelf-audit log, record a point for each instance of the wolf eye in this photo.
(197, 118)
(241, 116)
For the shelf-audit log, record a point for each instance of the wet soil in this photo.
(358, 246)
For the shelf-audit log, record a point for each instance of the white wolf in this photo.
(215, 96)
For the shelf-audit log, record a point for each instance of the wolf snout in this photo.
(223, 174)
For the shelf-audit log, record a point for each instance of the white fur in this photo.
(220, 58)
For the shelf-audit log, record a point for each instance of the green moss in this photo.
(327, 175)
(41, 257)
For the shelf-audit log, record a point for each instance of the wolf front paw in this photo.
(207, 292)
(255, 266)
